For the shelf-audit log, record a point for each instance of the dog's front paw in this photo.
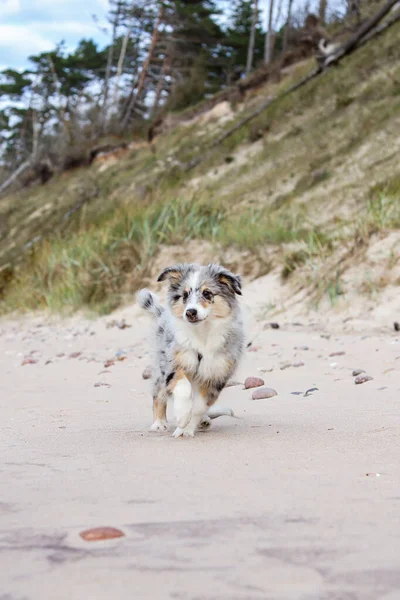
(179, 432)
(158, 425)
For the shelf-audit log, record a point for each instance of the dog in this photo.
(199, 340)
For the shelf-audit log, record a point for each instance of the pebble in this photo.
(120, 324)
(357, 372)
(101, 533)
(396, 326)
(101, 384)
(146, 373)
(263, 392)
(274, 325)
(121, 355)
(363, 379)
(310, 391)
(252, 382)
(109, 363)
(302, 347)
(75, 354)
(29, 361)
(298, 363)
(285, 365)
(339, 353)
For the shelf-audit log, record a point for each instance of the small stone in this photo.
(396, 326)
(75, 354)
(48, 362)
(109, 363)
(146, 373)
(252, 382)
(285, 365)
(363, 379)
(263, 392)
(265, 369)
(298, 363)
(101, 533)
(274, 325)
(101, 384)
(122, 324)
(357, 372)
(29, 361)
(301, 347)
(60, 354)
(310, 391)
(339, 353)
(121, 355)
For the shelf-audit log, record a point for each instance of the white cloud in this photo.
(21, 39)
(9, 7)
(83, 29)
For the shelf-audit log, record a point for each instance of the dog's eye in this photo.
(185, 296)
(175, 298)
(208, 295)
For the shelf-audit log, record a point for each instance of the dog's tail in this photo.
(149, 302)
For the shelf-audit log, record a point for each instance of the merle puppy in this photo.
(199, 340)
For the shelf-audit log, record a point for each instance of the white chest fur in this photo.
(202, 349)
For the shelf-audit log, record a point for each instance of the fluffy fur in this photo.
(199, 340)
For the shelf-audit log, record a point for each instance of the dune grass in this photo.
(96, 266)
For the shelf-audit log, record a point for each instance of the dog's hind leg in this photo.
(159, 412)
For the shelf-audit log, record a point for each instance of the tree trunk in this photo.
(14, 176)
(110, 57)
(145, 68)
(288, 25)
(250, 52)
(322, 11)
(268, 37)
(121, 63)
(160, 85)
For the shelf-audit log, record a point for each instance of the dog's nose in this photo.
(191, 313)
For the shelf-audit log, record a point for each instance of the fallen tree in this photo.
(369, 30)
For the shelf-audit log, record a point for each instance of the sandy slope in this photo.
(276, 504)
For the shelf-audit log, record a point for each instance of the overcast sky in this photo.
(31, 26)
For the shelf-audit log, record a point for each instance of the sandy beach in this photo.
(297, 498)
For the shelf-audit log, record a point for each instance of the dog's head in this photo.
(197, 293)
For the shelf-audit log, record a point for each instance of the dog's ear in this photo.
(173, 274)
(232, 281)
